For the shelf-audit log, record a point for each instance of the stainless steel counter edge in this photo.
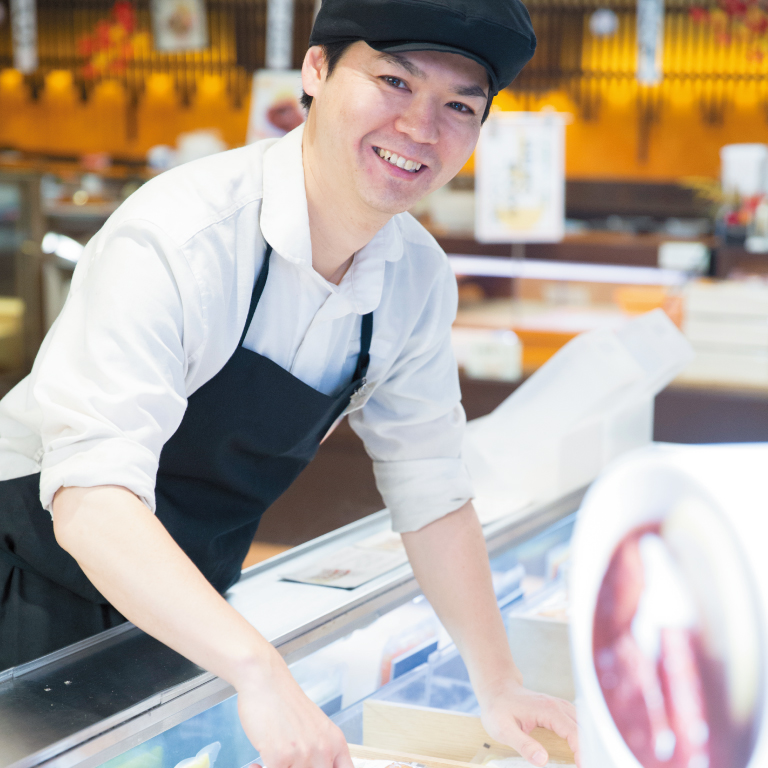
(116, 733)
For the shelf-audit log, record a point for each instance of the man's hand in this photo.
(133, 561)
(288, 729)
(512, 712)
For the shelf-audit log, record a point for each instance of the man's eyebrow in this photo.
(403, 62)
(470, 90)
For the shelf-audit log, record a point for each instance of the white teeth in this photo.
(400, 162)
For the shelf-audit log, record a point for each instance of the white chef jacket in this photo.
(158, 303)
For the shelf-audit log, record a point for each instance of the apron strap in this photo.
(258, 289)
(366, 333)
(366, 326)
(11, 558)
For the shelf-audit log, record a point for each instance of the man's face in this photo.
(421, 109)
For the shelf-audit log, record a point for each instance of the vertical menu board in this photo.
(520, 178)
(24, 30)
(650, 41)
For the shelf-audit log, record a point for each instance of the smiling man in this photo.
(218, 326)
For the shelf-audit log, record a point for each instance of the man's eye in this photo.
(394, 81)
(459, 107)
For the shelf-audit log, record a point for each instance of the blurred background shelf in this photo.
(641, 162)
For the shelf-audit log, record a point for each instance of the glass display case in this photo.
(21, 230)
(123, 700)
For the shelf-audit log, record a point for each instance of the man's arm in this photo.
(133, 561)
(450, 562)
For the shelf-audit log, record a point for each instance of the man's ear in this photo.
(312, 70)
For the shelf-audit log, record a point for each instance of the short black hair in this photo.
(332, 53)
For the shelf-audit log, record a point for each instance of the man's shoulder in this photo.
(197, 195)
(416, 235)
(421, 251)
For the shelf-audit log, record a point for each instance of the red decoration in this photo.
(110, 46)
(740, 19)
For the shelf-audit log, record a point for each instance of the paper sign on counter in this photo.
(352, 566)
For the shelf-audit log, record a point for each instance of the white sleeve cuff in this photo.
(114, 461)
(418, 492)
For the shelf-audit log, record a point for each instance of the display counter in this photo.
(123, 699)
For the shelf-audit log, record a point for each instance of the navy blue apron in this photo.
(245, 436)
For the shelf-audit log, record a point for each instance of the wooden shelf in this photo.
(593, 247)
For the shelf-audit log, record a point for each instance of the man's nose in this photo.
(420, 121)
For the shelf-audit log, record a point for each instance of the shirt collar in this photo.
(284, 222)
(284, 219)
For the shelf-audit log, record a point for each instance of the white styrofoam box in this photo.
(704, 332)
(729, 486)
(593, 444)
(727, 368)
(486, 353)
(515, 449)
(590, 402)
(628, 428)
(744, 169)
(729, 297)
(685, 256)
(658, 346)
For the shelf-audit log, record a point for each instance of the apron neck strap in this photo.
(366, 325)
(366, 333)
(258, 289)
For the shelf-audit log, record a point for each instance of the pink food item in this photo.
(681, 681)
(657, 702)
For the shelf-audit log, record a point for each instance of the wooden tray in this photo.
(437, 738)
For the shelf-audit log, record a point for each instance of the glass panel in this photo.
(405, 656)
(217, 724)
(10, 234)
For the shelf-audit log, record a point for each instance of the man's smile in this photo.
(400, 161)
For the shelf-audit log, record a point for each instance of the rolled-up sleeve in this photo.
(413, 423)
(110, 378)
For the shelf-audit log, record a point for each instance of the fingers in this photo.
(343, 759)
(299, 756)
(288, 729)
(514, 723)
(568, 708)
(528, 747)
(326, 748)
(560, 716)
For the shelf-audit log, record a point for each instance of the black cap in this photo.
(495, 33)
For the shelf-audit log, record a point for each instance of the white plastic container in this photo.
(744, 169)
(728, 487)
(591, 402)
